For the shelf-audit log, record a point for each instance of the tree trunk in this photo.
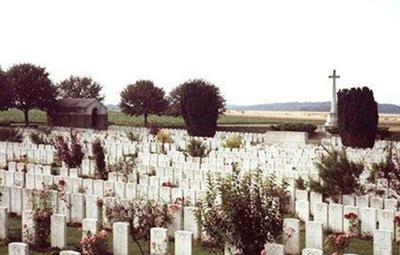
(26, 115)
(145, 119)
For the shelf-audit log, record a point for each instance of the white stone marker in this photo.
(16, 200)
(368, 220)
(58, 231)
(382, 242)
(376, 202)
(348, 200)
(77, 207)
(386, 220)
(183, 242)
(335, 218)
(70, 253)
(346, 223)
(3, 223)
(315, 197)
(291, 235)
(274, 249)
(303, 210)
(90, 225)
(28, 226)
(18, 249)
(391, 204)
(5, 198)
(158, 241)
(190, 222)
(120, 238)
(312, 252)
(301, 195)
(92, 208)
(362, 201)
(314, 235)
(64, 205)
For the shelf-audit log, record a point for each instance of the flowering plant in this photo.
(93, 244)
(353, 227)
(168, 184)
(337, 243)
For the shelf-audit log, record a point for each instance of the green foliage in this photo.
(80, 87)
(98, 152)
(163, 136)
(337, 174)
(33, 88)
(153, 128)
(249, 212)
(233, 142)
(41, 136)
(197, 148)
(143, 98)
(147, 214)
(201, 103)
(7, 92)
(10, 135)
(295, 126)
(72, 156)
(300, 183)
(388, 169)
(357, 117)
(133, 137)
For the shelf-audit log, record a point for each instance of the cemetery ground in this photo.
(74, 234)
(241, 121)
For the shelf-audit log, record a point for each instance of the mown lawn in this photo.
(74, 236)
(118, 118)
(357, 246)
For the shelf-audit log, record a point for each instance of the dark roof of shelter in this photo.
(75, 102)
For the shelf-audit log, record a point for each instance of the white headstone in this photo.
(158, 241)
(291, 235)
(303, 210)
(314, 235)
(382, 242)
(335, 218)
(321, 214)
(58, 232)
(18, 249)
(368, 220)
(183, 242)
(121, 238)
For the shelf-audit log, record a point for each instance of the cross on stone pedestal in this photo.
(332, 116)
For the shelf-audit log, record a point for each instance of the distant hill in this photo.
(304, 106)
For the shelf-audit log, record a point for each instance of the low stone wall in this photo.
(278, 137)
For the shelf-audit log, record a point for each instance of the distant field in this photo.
(257, 120)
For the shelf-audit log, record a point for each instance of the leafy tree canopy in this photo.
(357, 117)
(7, 93)
(80, 87)
(143, 98)
(33, 88)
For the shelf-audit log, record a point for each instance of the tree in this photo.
(33, 88)
(337, 174)
(174, 100)
(243, 210)
(143, 98)
(201, 103)
(357, 117)
(7, 93)
(80, 87)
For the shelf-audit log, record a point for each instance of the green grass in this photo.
(118, 118)
(357, 246)
(74, 236)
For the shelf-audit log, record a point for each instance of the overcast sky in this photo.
(255, 51)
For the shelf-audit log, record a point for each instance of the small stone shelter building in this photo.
(79, 113)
